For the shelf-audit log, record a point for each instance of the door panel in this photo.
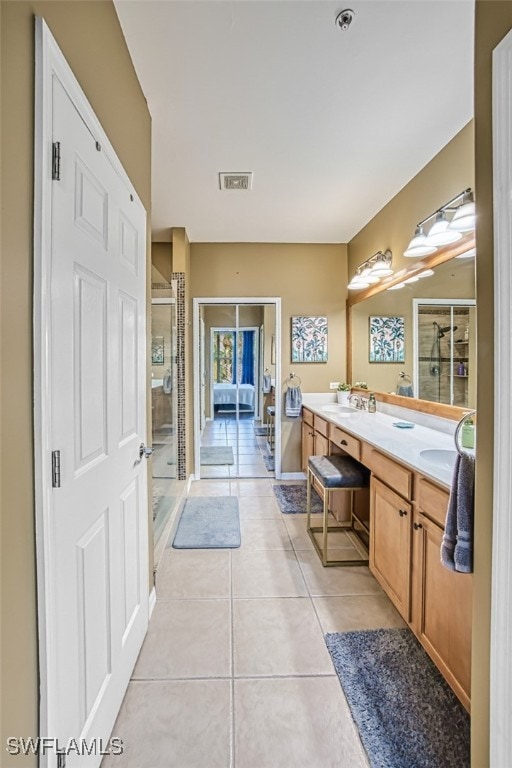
(99, 539)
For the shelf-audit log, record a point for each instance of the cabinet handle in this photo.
(343, 442)
(402, 512)
(417, 526)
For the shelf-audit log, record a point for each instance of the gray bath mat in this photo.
(217, 454)
(208, 523)
(406, 713)
(292, 499)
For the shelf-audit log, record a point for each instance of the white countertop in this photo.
(404, 445)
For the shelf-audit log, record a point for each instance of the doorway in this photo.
(236, 381)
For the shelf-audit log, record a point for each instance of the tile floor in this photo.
(234, 672)
(225, 430)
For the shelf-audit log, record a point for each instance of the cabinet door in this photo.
(308, 444)
(390, 544)
(444, 613)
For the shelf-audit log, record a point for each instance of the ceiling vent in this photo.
(235, 180)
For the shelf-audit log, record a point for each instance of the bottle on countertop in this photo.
(372, 403)
(468, 433)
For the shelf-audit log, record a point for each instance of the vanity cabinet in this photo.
(390, 544)
(441, 599)
(315, 440)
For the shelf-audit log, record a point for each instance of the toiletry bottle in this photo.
(372, 404)
(461, 370)
(468, 434)
(466, 334)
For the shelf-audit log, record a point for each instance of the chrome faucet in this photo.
(360, 402)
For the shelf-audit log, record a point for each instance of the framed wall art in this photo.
(157, 350)
(387, 339)
(309, 339)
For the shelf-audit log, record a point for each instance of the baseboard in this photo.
(190, 480)
(292, 476)
(152, 601)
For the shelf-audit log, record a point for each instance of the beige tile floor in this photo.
(224, 431)
(234, 671)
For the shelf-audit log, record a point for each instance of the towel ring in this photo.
(291, 378)
(466, 416)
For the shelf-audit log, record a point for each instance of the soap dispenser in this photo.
(372, 404)
(468, 433)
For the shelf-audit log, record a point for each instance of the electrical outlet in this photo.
(334, 385)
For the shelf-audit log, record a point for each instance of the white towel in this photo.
(293, 402)
(267, 383)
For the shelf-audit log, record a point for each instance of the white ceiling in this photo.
(332, 124)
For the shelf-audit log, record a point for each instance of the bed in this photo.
(226, 395)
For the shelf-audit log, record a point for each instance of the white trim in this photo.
(293, 476)
(50, 64)
(152, 601)
(501, 615)
(236, 300)
(415, 338)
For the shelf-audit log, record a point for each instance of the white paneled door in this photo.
(96, 554)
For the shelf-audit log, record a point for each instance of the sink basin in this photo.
(444, 458)
(339, 410)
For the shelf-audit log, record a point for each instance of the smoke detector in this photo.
(241, 180)
(345, 18)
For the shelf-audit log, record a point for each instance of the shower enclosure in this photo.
(164, 410)
(444, 344)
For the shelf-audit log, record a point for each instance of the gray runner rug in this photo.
(406, 713)
(208, 523)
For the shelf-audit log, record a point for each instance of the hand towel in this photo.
(457, 543)
(267, 383)
(293, 402)
(167, 383)
(405, 390)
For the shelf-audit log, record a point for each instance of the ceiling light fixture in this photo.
(467, 254)
(372, 270)
(444, 231)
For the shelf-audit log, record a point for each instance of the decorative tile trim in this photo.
(179, 277)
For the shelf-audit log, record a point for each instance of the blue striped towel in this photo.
(293, 402)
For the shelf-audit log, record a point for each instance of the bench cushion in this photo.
(339, 471)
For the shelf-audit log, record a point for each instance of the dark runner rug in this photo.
(292, 499)
(406, 713)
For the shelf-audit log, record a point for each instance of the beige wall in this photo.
(91, 39)
(493, 21)
(448, 173)
(310, 279)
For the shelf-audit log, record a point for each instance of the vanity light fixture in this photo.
(396, 287)
(443, 231)
(426, 273)
(372, 270)
(467, 254)
(413, 279)
(440, 234)
(465, 215)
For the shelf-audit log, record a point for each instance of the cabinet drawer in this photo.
(346, 442)
(307, 416)
(394, 475)
(320, 425)
(432, 501)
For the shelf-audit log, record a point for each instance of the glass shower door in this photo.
(164, 411)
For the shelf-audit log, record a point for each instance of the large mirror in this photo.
(439, 334)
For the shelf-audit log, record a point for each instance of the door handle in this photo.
(402, 512)
(144, 452)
